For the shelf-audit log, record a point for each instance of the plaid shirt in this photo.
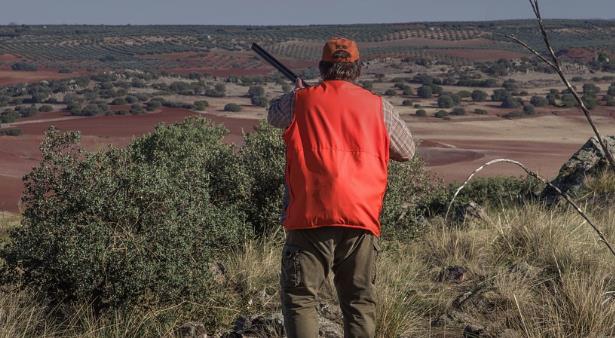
(402, 146)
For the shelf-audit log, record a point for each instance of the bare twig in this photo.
(535, 175)
(555, 64)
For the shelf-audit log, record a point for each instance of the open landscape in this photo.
(457, 131)
(468, 95)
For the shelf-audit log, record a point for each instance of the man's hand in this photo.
(299, 84)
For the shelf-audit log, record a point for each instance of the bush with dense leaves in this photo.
(458, 111)
(24, 67)
(441, 114)
(411, 194)
(445, 101)
(10, 132)
(263, 158)
(201, 105)
(425, 92)
(232, 107)
(539, 101)
(9, 116)
(497, 191)
(133, 226)
(479, 96)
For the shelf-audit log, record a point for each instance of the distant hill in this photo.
(95, 47)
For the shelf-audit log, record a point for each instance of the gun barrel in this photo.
(289, 74)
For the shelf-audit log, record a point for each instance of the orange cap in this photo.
(340, 44)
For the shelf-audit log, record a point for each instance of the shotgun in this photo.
(289, 74)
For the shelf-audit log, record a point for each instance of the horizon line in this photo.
(306, 25)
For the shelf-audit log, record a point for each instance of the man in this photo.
(339, 138)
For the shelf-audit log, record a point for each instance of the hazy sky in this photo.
(273, 12)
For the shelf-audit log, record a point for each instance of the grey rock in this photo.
(192, 330)
(587, 161)
(258, 326)
(329, 329)
(471, 331)
(453, 274)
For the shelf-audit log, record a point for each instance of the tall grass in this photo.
(530, 271)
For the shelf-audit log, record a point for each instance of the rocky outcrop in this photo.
(588, 161)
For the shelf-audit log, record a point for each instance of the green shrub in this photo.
(131, 99)
(445, 101)
(367, 84)
(590, 101)
(10, 132)
(511, 102)
(407, 103)
(119, 101)
(480, 111)
(24, 67)
(425, 92)
(390, 92)
(152, 104)
(479, 96)
(232, 107)
(529, 109)
(263, 158)
(441, 114)
(497, 191)
(9, 116)
(458, 111)
(129, 227)
(45, 108)
(259, 101)
(136, 109)
(539, 101)
(569, 101)
(421, 113)
(463, 94)
(201, 105)
(256, 91)
(411, 194)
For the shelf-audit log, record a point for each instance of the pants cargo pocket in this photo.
(374, 262)
(291, 267)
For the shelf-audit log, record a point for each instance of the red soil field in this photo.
(8, 58)
(9, 77)
(483, 54)
(224, 63)
(421, 42)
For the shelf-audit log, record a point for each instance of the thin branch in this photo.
(533, 51)
(535, 175)
(556, 65)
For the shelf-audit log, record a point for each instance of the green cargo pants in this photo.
(308, 257)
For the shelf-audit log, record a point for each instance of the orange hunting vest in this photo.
(337, 151)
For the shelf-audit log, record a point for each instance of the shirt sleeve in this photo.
(280, 113)
(402, 147)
